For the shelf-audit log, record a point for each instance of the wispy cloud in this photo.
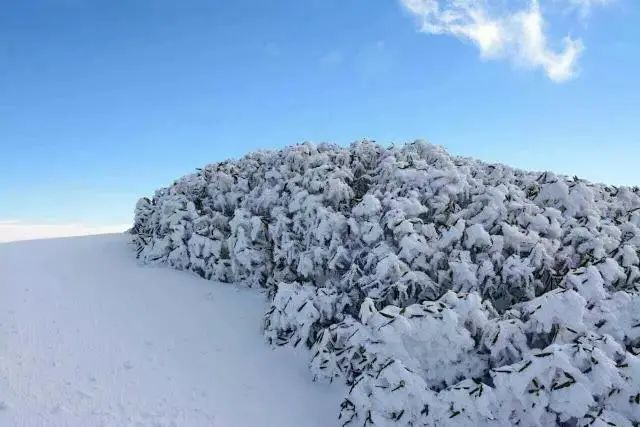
(11, 231)
(513, 30)
(584, 7)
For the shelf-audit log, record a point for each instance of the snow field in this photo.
(88, 337)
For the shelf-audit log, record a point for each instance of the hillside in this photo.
(90, 338)
(442, 290)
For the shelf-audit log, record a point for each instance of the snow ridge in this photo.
(443, 290)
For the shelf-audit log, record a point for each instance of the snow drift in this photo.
(442, 289)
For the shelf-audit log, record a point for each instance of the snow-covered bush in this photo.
(443, 290)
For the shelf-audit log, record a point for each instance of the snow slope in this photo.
(88, 337)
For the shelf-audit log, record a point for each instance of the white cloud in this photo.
(515, 32)
(11, 231)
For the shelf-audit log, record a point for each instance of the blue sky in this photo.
(101, 102)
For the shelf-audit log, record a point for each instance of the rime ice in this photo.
(443, 290)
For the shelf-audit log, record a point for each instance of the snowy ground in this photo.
(90, 338)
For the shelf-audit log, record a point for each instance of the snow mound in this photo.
(442, 289)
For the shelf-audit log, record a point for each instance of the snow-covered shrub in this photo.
(443, 290)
